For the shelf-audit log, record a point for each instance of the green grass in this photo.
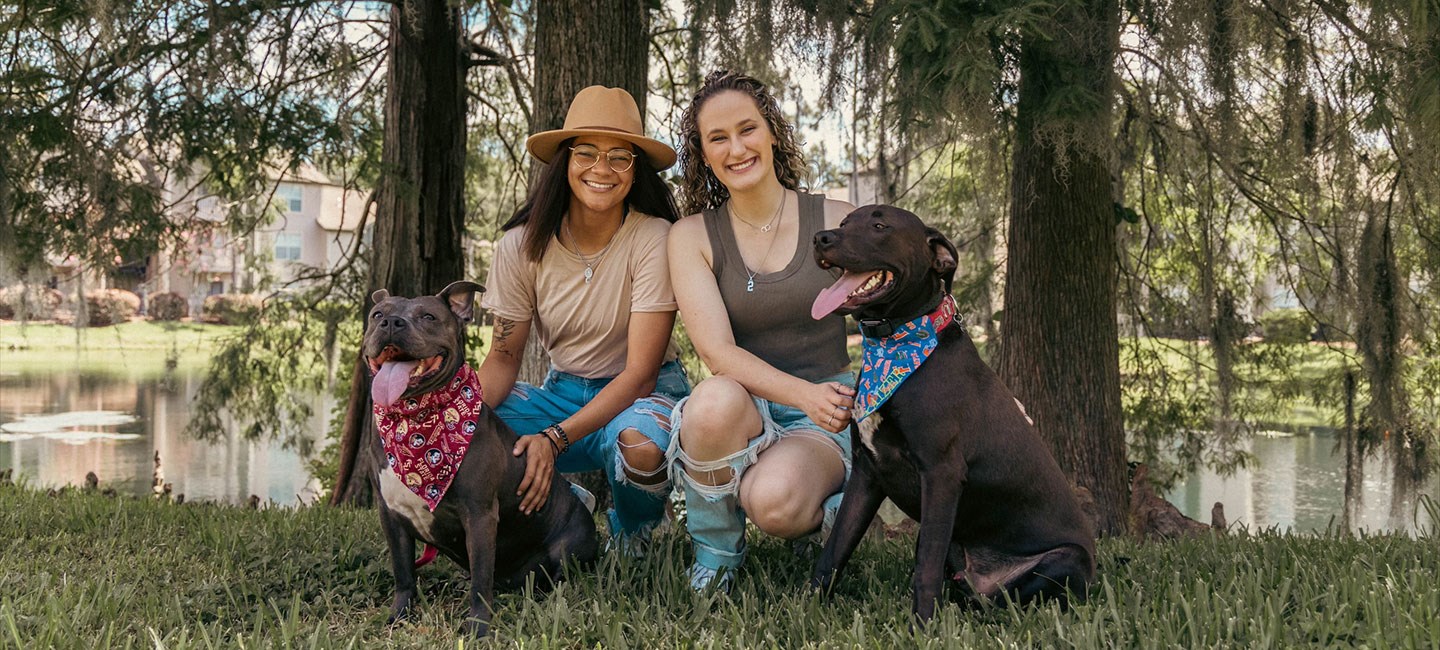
(134, 335)
(82, 571)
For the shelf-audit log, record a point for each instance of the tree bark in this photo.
(1061, 348)
(419, 220)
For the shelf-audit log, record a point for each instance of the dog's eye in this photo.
(428, 316)
(880, 226)
(375, 314)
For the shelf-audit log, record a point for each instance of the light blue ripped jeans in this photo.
(638, 507)
(712, 512)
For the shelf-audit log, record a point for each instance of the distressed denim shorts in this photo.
(529, 409)
(779, 421)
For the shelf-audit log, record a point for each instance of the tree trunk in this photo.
(1061, 347)
(604, 42)
(419, 220)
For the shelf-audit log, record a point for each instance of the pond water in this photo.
(110, 413)
(1298, 484)
(62, 416)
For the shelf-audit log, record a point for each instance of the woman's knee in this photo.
(780, 506)
(717, 418)
(642, 458)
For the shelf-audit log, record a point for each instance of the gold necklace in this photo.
(750, 275)
(591, 261)
(773, 218)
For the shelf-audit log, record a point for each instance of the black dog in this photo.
(951, 446)
(459, 501)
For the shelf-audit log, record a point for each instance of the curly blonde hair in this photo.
(700, 189)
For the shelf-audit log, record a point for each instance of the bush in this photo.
(231, 308)
(1286, 326)
(37, 303)
(168, 306)
(110, 306)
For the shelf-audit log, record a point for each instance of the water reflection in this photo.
(1299, 485)
(60, 421)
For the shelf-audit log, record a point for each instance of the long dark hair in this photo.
(550, 198)
(700, 189)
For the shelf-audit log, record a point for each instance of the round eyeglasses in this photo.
(585, 156)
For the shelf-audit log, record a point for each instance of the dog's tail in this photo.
(427, 556)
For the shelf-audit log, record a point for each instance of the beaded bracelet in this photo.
(560, 432)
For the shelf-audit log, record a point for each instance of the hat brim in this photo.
(546, 144)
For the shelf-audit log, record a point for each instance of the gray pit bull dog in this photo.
(946, 441)
(450, 479)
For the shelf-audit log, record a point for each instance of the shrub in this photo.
(110, 306)
(33, 302)
(1286, 326)
(231, 308)
(168, 306)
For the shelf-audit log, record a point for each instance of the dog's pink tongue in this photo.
(391, 381)
(830, 299)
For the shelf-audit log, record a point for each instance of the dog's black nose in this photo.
(826, 238)
(393, 322)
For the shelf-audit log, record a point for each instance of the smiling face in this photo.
(893, 264)
(415, 345)
(599, 189)
(735, 141)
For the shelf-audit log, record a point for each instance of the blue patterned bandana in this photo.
(891, 360)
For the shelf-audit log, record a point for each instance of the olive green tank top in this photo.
(772, 319)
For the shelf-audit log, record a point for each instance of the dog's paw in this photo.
(399, 612)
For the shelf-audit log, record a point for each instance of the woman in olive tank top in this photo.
(768, 435)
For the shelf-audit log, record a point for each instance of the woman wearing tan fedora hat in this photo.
(583, 265)
(767, 437)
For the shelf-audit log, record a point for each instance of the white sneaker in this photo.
(704, 578)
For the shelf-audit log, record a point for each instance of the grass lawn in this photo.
(134, 335)
(85, 571)
(138, 348)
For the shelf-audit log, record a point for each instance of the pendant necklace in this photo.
(769, 224)
(750, 275)
(592, 260)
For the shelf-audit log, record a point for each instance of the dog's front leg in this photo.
(402, 562)
(480, 530)
(940, 488)
(857, 509)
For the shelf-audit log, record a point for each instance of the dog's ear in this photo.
(380, 294)
(460, 295)
(942, 255)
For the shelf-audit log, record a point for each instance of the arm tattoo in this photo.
(504, 327)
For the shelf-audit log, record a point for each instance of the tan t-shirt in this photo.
(584, 327)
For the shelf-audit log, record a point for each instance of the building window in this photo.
(291, 197)
(287, 247)
(217, 287)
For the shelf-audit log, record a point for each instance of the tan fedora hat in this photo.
(610, 112)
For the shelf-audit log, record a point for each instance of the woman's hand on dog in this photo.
(828, 405)
(534, 489)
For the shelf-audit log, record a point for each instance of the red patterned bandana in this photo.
(425, 437)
